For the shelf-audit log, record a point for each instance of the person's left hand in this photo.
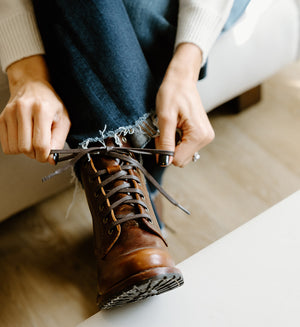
(178, 105)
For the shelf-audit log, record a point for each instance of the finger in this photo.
(42, 123)
(60, 130)
(166, 139)
(12, 131)
(25, 132)
(3, 136)
(192, 141)
(184, 153)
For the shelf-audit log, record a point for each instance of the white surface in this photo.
(250, 277)
(264, 40)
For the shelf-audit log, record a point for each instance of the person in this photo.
(118, 76)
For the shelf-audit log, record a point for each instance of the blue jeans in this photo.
(105, 64)
(107, 59)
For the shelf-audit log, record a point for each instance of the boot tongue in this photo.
(104, 162)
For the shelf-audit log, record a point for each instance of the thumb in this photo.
(166, 140)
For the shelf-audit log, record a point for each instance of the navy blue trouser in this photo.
(107, 59)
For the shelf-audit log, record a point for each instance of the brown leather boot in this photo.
(132, 257)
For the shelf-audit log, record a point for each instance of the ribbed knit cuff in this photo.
(199, 26)
(19, 38)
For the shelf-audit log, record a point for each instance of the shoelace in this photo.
(108, 179)
(123, 154)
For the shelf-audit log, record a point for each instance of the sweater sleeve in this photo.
(19, 35)
(200, 22)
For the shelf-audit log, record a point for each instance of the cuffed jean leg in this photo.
(97, 66)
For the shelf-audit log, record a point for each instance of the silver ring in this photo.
(196, 156)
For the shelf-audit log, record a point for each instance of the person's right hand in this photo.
(178, 106)
(35, 120)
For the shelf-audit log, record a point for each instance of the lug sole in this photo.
(141, 286)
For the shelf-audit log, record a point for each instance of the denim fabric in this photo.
(154, 23)
(100, 61)
(107, 59)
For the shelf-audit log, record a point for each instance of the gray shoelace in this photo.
(122, 153)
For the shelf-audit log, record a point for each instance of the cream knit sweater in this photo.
(199, 22)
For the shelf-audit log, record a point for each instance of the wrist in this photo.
(28, 69)
(186, 62)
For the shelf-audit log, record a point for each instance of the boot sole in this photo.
(141, 286)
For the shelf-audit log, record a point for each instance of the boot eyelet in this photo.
(96, 195)
(110, 231)
(101, 208)
(124, 139)
(105, 220)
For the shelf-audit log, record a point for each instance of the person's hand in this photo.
(178, 106)
(35, 120)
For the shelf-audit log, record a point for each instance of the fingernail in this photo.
(164, 160)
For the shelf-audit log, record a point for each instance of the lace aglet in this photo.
(56, 157)
(46, 178)
(56, 172)
(183, 209)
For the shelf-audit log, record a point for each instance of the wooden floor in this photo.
(47, 269)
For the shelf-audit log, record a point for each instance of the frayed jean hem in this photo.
(139, 134)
